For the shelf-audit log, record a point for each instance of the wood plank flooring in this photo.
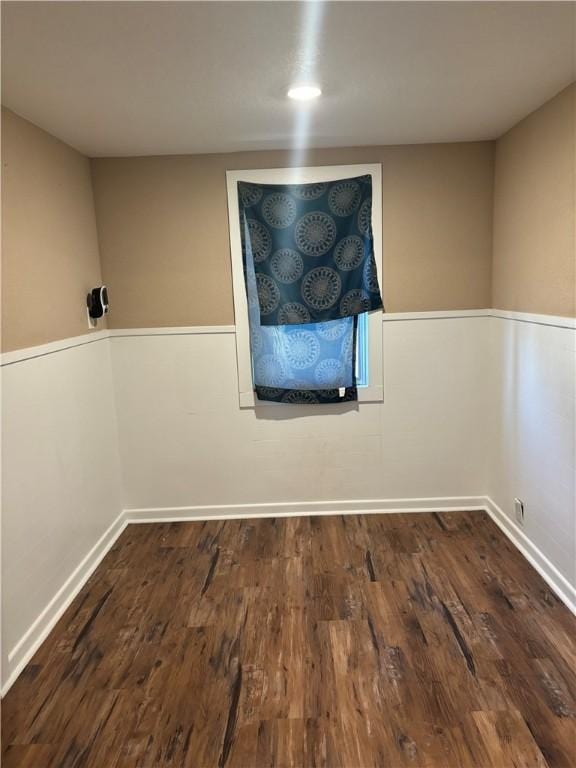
(349, 642)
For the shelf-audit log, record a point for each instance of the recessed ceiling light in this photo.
(304, 92)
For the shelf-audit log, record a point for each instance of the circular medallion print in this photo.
(268, 393)
(329, 373)
(349, 253)
(328, 394)
(279, 210)
(293, 313)
(333, 329)
(347, 348)
(286, 265)
(250, 194)
(364, 216)
(321, 288)
(354, 302)
(315, 233)
(300, 396)
(343, 198)
(309, 191)
(297, 384)
(371, 276)
(268, 294)
(256, 341)
(270, 372)
(260, 240)
(301, 348)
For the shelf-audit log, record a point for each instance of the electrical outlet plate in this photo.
(519, 511)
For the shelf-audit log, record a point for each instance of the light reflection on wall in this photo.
(306, 71)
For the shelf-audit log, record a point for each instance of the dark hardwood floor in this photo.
(348, 642)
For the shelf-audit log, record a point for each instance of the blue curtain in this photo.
(310, 271)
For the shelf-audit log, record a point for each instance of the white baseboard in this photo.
(537, 559)
(35, 635)
(27, 646)
(303, 509)
(33, 638)
(551, 575)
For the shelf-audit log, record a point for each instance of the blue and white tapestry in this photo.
(310, 271)
(312, 247)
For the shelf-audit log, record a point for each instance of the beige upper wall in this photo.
(163, 229)
(164, 236)
(534, 212)
(50, 256)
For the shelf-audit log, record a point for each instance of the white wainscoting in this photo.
(185, 442)
(61, 484)
(478, 408)
(533, 390)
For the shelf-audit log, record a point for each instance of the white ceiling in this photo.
(140, 78)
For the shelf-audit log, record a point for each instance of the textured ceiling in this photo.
(139, 78)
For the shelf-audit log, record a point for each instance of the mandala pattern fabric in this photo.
(303, 358)
(305, 396)
(312, 248)
(310, 271)
(298, 363)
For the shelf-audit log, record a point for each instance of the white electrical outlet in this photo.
(519, 511)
